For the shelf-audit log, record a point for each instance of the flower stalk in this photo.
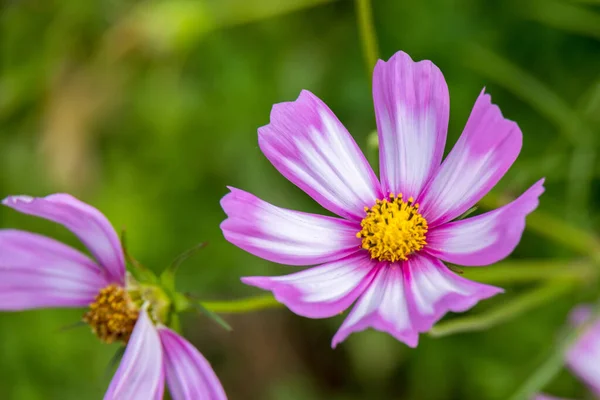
(239, 306)
(506, 311)
(368, 36)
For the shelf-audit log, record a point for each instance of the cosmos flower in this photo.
(386, 250)
(39, 272)
(583, 357)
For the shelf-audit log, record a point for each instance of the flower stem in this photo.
(515, 271)
(368, 37)
(508, 310)
(551, 366)
(546, 372)
(254, 303)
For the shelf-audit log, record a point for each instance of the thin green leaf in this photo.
(167, 278)
(467, 213)
(212, 315)
(128, 257)
(74, 325)
(113, 362)
(138, 270)
(186, 254)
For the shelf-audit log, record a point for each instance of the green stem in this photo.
(545, 373)
(551, 367)
(515, 271)
(510, 309)
(248, 304)
(368, 37)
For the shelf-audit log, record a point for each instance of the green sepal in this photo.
(139, 271)
(181, 302)
(167, 277)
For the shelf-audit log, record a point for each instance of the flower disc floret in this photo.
(393, 229)
(112, 315)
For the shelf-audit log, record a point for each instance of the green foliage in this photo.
(148, 109)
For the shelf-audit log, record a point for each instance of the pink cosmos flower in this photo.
(39, 272)
(546, 397)
(386, 250)
(583, 357)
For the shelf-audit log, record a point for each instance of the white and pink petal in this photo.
(433, 290)
(310, 147)
(486, 238)
(546, 397)
(383, 306)
(39, 272)
(140, 375)
(411, 105)
(484, 152)
(286, 236)
(189, 374)
(409, 298)
(85, 221)
(322, 291)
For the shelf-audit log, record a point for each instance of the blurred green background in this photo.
(148, 109)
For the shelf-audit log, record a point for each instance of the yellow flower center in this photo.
(393, 229)
(112, 315)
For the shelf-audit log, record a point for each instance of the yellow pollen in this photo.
(393, 229)
(112, 315)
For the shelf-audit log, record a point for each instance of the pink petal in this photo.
(407, 299)
(383, 307)
(433, 290)
(580, 315)
(486, 149)
(322, 291)
(141, 373)
(309, 146)
(412, 105)
(583, 356)
(89, 224)
(285, 236)
(487, 238)
(189, 375)
(39, 272)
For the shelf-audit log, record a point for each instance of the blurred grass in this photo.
(148, 109)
